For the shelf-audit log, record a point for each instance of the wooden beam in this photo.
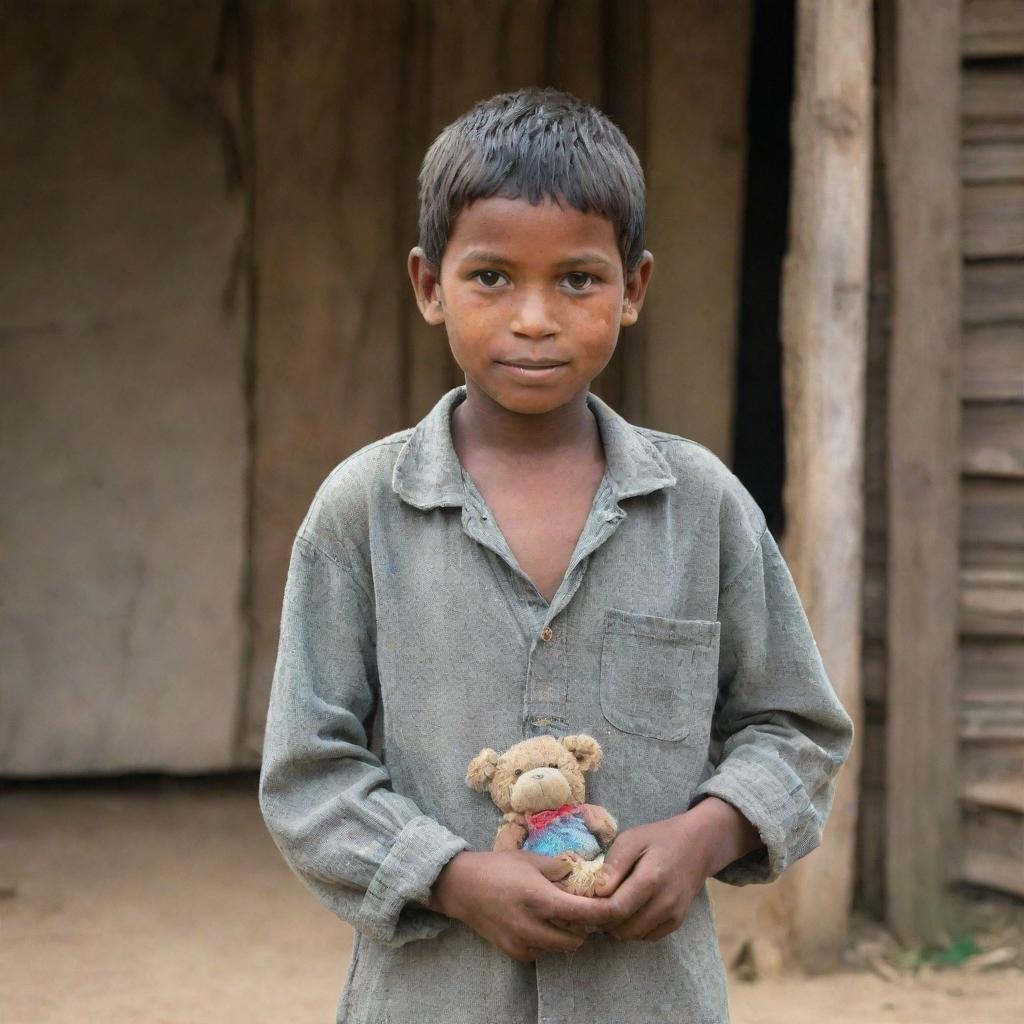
(824, 330)
(920, 106)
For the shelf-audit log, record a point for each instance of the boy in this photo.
(524, 562)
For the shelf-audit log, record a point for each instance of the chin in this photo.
(533, 404)
(532, 400)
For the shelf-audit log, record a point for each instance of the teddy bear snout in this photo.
(540, 789)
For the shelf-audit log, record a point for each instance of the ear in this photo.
(585, 749)
(482, 769)
(426, 283)
(637, 281)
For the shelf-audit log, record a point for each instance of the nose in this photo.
(533, 317)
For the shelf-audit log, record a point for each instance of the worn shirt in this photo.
(411, 638)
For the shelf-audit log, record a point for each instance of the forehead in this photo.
(523, 233)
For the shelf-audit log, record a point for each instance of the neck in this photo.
(511, 435)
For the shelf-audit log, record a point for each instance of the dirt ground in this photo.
(162, 901)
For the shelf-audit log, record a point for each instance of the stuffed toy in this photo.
(538, 786)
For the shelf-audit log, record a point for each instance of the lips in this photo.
(532, 364)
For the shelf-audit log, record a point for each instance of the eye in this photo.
(518, 772)
(579, 281)
(554, 764)
(488, 278)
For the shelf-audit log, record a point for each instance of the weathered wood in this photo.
(993, 161)
(824, 327)
(574, 59)
(993, 292)
(327, 96)
(991, 696)
(993, 219)
(991, 666)
(993, 363)
(993, 28)
(919, 104)
(994, 848)
(992, 719)
(695, 172)
(991, 100)
(870, 886)
(123, 446)
(1001, 794)
(985, 761)
(993, 439)
(992, 602)
(992, 525)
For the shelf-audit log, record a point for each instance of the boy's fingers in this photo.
(617, 865)
(553, 940)
(599, 914)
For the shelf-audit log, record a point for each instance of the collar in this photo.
(428, 473)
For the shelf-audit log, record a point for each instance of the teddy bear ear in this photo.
(585, 749)
(481, 770)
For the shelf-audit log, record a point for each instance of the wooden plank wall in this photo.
(992, 394)
(990, 689)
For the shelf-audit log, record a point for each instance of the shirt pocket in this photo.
(658, 675)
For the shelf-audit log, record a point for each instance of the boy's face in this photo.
(532, 298)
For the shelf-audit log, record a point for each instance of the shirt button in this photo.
(546, 634)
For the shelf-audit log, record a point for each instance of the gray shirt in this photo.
(411, 638)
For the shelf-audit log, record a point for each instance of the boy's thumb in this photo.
(608, 878)
(618, 863)
(553, 868)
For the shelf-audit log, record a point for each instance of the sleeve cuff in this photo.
(416, 858)
(776, 804)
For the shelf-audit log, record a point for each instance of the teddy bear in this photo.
(539, 788)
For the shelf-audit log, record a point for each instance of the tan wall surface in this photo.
(122, 426)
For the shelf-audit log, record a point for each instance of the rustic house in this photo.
(204, 308)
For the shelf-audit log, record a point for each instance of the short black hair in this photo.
(533, 144)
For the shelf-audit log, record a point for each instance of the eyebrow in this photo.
(584, 259)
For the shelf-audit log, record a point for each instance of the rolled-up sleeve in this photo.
(368, 853)
(780, 729)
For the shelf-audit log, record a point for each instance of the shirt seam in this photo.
(748, 561)
(349, 570)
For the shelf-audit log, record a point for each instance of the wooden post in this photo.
(921, 128)
(824, 330)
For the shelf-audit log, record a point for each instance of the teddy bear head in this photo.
(538, 774)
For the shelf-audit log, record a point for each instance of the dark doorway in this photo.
(759, 456)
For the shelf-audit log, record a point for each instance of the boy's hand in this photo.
(653, 872)
(510, 899)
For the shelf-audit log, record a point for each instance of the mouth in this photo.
(535, 370)
(532, 364)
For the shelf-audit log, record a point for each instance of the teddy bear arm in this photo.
(510, 836)
(600, 822)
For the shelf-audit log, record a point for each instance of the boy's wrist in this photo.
(447, 884)
(722, 834)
